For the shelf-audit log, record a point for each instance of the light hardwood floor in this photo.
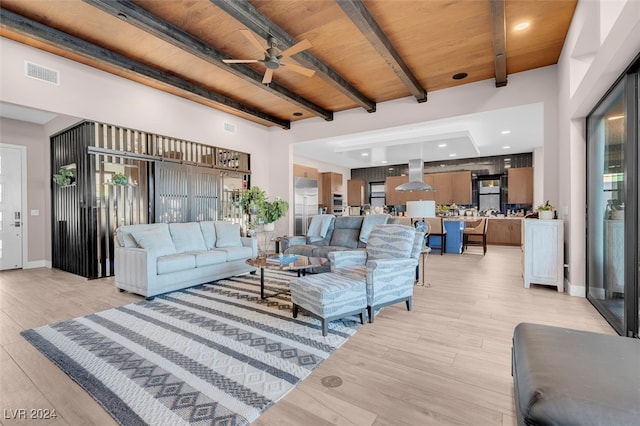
(446, 362)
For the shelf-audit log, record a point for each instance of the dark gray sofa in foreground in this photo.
(344, 233)
(570, 377)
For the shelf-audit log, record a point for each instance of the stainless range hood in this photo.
(416, 178)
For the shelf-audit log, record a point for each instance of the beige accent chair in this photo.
(475, 233)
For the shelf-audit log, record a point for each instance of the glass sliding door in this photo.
(612, 206)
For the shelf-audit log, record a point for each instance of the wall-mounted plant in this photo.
(119, 179)
(66, 176)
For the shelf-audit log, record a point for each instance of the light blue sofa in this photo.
(152, 259)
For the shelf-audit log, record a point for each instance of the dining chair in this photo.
(436, 229)
(475, 234)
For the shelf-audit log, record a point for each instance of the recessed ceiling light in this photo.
(506, 147)
(442, 145)
(521, 26)
(390, 169)
(365, 154)
(441, 165)
(452, 155)
(384, 162)
(505, 132)
(506, 160)
(460, 76)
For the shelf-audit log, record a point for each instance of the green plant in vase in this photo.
(272, 211)
(545, 211)
(65, 176)
(252, 199)
(119, 179)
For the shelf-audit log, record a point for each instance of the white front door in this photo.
(10, 208)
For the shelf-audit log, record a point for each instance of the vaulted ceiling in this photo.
(362, 52)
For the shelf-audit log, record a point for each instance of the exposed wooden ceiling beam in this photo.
(65, 41)
(140, 18)
(499, 38)
(249, 16)
(360, 16)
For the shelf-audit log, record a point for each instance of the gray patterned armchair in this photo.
(387, 266)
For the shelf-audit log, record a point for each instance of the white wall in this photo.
(95, 95)
(603, 39)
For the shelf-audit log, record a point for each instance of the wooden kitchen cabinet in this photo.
(355, 192)
(442, 183)
(520, 185)
(393, 197)
(506, 232)
(330, 183)
(305, 172)
(453, 187)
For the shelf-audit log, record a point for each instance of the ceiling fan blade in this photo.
(300, 70)
(249, 36)
(298, 47)
(240, 61)
(267, 76)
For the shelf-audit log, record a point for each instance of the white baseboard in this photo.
(575, 290)
(37, 264)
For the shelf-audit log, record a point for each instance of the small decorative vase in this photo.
(545, 214)
(269, 227)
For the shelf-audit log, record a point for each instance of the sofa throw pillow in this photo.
(369, 222)
(157, 241)
(209, 234)
(126, 240)
(319, 225)
(228, 234)
(187, 237)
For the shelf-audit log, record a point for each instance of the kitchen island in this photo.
(505, 231)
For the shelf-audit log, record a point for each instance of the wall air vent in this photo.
(41, 73)
(230, 127)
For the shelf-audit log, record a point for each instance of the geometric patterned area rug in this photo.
(215, 354)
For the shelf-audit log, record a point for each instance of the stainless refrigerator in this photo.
(305, 202)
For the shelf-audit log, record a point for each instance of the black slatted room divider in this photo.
(168, 180)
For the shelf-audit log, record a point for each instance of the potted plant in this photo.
(272, 211)
(65, 177)
(119, 179)
(252, 199)
(545, 211)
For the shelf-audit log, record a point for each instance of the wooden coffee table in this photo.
(301, 265)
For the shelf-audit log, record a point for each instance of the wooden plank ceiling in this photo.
(362, 52)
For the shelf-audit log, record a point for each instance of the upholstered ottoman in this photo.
(570, 377)
(328, 296)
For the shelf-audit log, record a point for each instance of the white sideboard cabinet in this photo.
(543, 246)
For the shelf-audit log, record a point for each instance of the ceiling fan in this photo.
(272, 59)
